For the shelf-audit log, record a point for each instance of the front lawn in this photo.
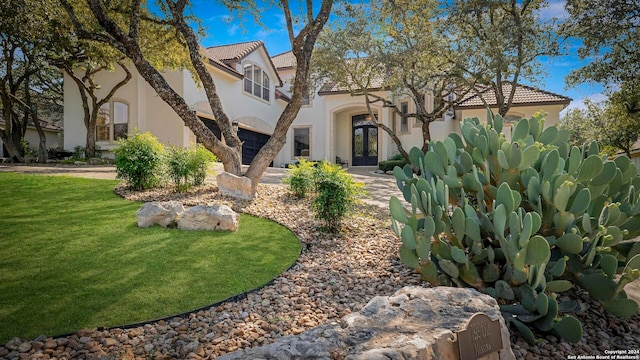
(72, 257)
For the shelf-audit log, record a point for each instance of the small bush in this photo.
(300, 177)
(188, 167)
(388, 165)
(139, 160)
(337, 192)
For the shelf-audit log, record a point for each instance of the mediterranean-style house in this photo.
(254, 89)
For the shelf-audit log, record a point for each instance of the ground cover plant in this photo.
(73, 258)
(522, 220)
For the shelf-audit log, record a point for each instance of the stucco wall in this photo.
(54, 138)
(75, 132)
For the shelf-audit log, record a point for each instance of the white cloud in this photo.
(580, 103)
(555, 9)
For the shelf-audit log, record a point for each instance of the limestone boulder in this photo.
(163, 213)
(238, 187)
(216, 217)
(414, 323)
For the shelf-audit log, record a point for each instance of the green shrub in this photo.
(522, 221)
(188, 167)
(337, 194)
(300, 178)
(388, 165)
(139, 160)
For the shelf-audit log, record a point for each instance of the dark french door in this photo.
(364, 141)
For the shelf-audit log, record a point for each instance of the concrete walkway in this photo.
(379, 187)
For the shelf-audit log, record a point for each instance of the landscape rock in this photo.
(633, 290)
(163, 213)
(413, 323)
(238, 187)
(216, 217)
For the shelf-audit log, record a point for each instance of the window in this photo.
(404, 120)
(301, 142)
(306, 99)
(511, 118)
(113, 121)
(256, 82)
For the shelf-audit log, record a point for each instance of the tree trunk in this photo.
(15, 153)
(426, 134)
(90, 145)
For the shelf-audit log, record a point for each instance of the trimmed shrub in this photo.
(300, 177)
(188, 167)
(337, 194)
(388, 165)
(139, 160)
(522, 221)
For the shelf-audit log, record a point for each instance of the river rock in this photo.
(413, 323)
(163, 213)
(216, 217)
(238, 187)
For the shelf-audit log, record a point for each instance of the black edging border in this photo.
(186, 314)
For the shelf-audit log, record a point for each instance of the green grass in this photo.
(72, 257)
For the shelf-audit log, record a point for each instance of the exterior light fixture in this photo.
(234, 126)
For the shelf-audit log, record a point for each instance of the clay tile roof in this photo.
(232, 51)
(524, 95)
(332, 87)
(284, 60)
(224, 56)
(47, 124)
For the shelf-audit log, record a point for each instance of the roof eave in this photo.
(341, 92)
(472, 107)
(225, 69)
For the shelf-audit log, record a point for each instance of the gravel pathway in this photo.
(334, 276)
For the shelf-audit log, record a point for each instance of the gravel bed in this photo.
(334, 276)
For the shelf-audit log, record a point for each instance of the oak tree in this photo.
(386, 51)
(499, 44)
(102, 26)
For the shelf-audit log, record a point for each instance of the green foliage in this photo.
(606, 29)
(614, 123)
(388, 165)
(300, 177)
(139, 160)
(337, 194)
(27, 150)
(188, 167)
(522, 221)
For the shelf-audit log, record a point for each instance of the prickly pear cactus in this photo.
(522, 221)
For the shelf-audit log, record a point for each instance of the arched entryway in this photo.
(364, 140)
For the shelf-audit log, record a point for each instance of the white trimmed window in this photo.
(256, 81)
(404, 119)
(113, 121)
(302, 142)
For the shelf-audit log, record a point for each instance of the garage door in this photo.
(252, 141)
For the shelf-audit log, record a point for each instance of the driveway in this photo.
(379, 187)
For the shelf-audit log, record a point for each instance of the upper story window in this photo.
(113, 121)
(256, 81)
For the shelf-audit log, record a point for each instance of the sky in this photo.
(224, 28)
